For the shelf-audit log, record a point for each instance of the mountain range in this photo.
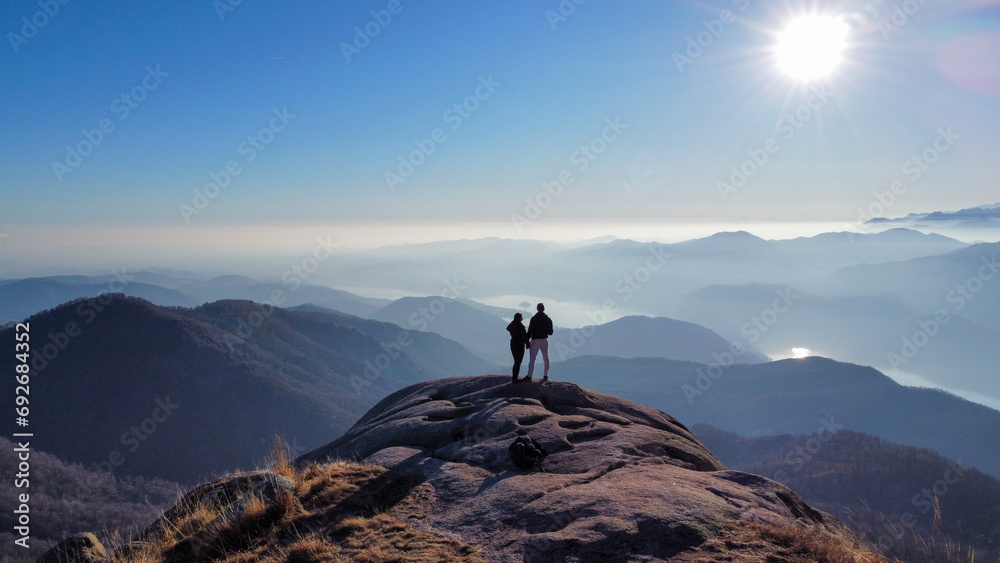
(22, 297)
(643, 278)
(800, 396)
(865, 296)
(889, 494)
(649, 337)
(632, 336)
(884, 331)
(481, 332)
(977, 217)
(307, 371)
(964, 282)
(120, 382)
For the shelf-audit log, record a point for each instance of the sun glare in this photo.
(800, 353)
(811, 47)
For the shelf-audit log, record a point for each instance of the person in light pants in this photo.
(539, 331)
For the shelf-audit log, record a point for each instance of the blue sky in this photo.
(555, 84)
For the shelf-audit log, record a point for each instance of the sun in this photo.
(800, 353)
(811, 47)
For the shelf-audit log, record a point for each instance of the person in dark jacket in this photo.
(539, 331)
(518, 343)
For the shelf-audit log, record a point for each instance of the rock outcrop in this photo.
(622, 482)
(81, 548)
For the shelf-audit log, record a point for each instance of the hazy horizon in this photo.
(452, 122)
(230, 249)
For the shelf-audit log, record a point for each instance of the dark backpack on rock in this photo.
(526, 452)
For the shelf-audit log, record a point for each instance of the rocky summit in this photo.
(427, 475)
(621, 482)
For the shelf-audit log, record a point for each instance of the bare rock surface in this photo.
(622, 482)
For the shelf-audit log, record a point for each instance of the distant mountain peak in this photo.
(734, 235)
(727, 241)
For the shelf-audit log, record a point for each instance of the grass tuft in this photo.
(339, 512)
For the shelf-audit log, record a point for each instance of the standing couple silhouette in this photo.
(534, 338)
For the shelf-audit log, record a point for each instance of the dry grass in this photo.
(815, 545)
(907, 545)
(194, 523)
(281, 462)
(347, 512)
(910, 547)
(337, 513)
(753, 542)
